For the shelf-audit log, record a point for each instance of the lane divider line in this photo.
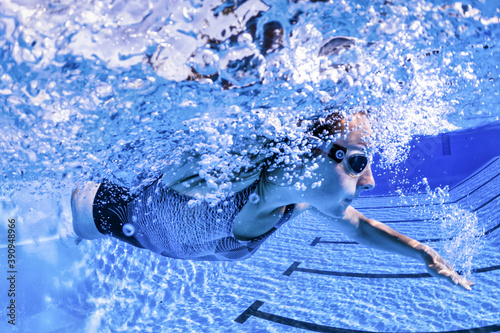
(253, 311)
(294, 267)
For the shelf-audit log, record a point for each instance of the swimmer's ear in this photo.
(315, 143)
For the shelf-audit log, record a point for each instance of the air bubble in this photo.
(128, 229)
(254, 198)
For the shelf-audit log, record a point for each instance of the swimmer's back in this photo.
(185, 178)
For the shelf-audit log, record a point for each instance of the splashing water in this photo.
(462, 229)
(113, 89)
(459, 228)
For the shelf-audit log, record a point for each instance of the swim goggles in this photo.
(354, 163)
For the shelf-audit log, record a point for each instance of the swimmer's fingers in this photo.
(444, 270)
(460, 280)
(467, 284)
(438, 267)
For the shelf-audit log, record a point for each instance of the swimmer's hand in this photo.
(438, 267)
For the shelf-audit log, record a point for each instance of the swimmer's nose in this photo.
(366, 181)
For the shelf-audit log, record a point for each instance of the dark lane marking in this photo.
(294, 267)
(476, 173)
(318, 240)
(486, 269)
(253, 311)
(453, 188)
(478, 188)
(486, 233)
(431, 204)
(486, 203)
(438, 204)
(445, 143)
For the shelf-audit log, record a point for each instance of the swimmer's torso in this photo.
(168, 223)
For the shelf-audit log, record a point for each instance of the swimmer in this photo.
(163, 219)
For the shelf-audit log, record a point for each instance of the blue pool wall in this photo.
(444, 160)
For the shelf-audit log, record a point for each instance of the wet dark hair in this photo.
(326, 128)
(336, 123)
(331, 127)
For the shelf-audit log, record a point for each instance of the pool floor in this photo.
(307, 277)
(364, 290)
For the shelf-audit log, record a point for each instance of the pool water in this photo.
(123, 89)
(306, 277)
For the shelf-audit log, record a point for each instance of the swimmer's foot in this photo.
(81, 208)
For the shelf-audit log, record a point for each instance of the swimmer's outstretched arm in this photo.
(380, 236)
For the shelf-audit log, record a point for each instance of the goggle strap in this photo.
(337, 153)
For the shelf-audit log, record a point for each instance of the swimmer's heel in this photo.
(81, 208)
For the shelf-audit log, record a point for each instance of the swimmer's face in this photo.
(340, 183)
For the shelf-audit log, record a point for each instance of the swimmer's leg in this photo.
(81, 209)
(101, 209)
